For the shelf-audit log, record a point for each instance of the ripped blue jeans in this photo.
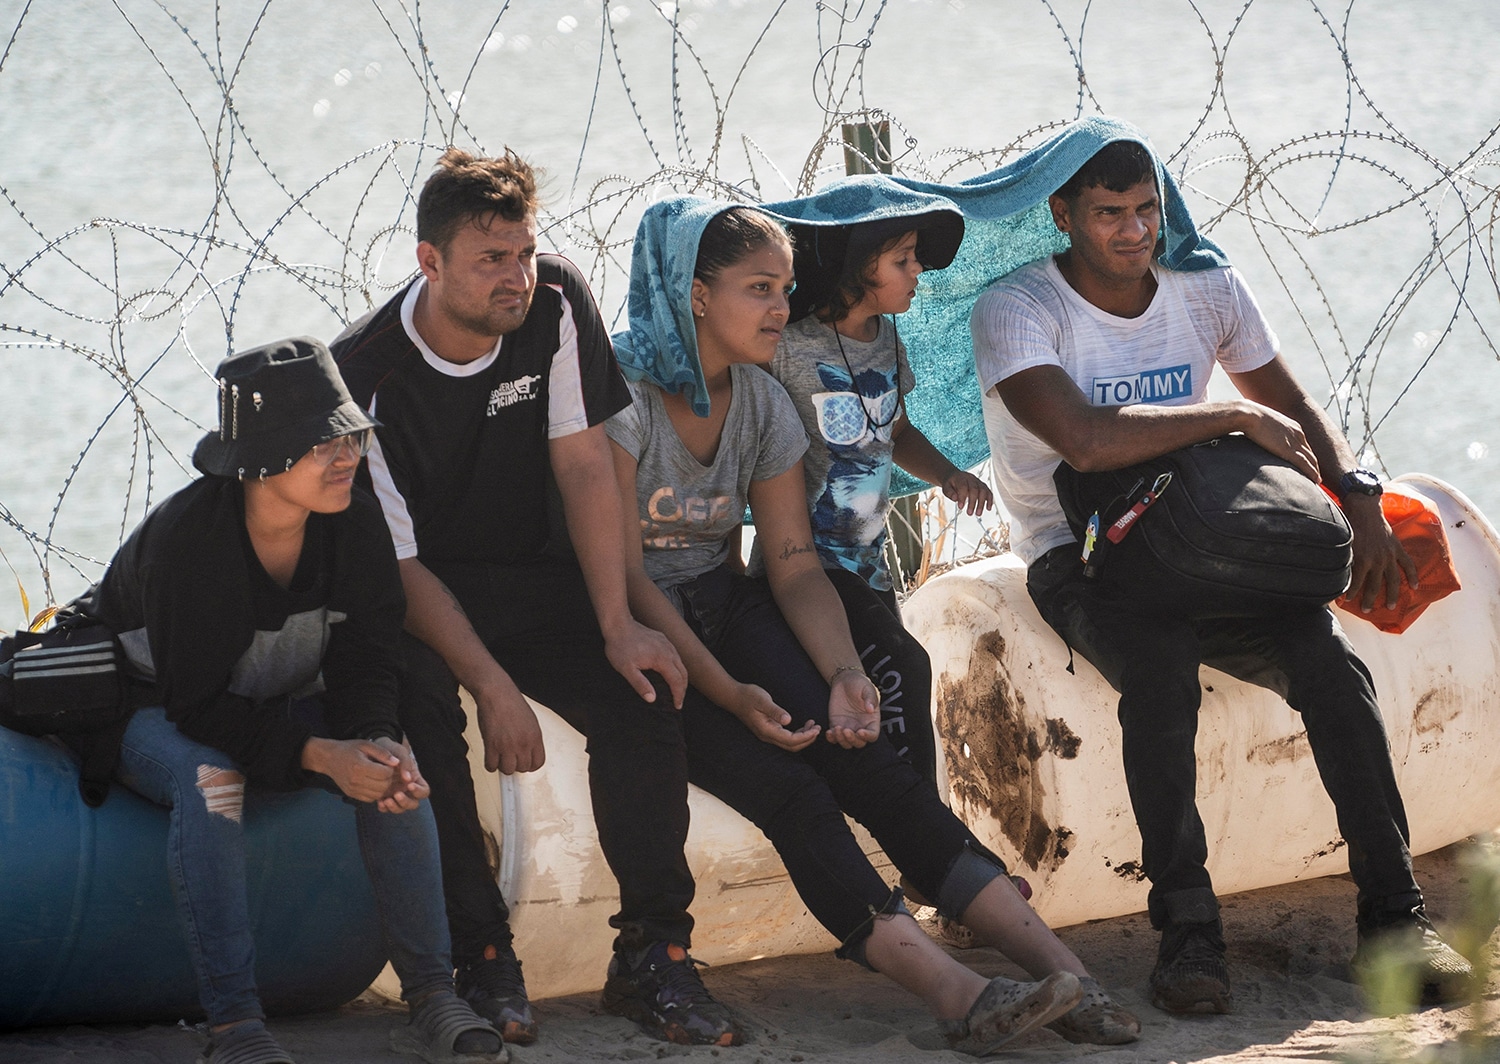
(206, 862)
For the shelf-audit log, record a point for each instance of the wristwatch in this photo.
(1359, 482)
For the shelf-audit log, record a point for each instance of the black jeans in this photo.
(539, 624)
(1152, 660)
(799, 800)
(897, 663)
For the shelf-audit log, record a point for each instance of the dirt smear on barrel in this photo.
(994, 750)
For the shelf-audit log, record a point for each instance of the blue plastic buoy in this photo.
(88, 928)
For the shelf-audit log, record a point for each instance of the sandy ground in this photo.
(1288, 951)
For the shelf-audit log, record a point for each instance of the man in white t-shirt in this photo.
(1100, 357)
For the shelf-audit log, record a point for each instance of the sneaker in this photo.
(1097, 1019)
(661, 991)
(1190, 973)
(1006, 1009)
(494, 989)
(1411, 949)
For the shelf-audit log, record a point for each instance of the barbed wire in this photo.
(152, 307)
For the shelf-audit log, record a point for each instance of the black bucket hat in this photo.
(825, 256)
(275, 403)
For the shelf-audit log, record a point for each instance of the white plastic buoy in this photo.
(1033, 764)
(1033, 755)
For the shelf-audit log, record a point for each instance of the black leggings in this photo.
(897, 663)
(799, 800)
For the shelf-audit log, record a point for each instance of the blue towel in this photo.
(661, 344)
(1007, 224)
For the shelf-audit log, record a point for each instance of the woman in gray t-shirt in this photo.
(782, 722)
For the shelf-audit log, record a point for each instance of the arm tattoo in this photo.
(789, 549)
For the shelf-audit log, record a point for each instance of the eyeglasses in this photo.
(357, 443)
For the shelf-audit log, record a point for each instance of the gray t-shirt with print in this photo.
(688, 509)
(847, 394)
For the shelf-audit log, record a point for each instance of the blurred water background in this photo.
(179, 178)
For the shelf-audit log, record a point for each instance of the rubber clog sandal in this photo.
(952, 933)
(1007, 1009)
(1097, 1019)
(244, 1043)
(436, 1026)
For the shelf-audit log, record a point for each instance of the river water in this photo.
(179, 180)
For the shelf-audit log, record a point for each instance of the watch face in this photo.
(1360, 481)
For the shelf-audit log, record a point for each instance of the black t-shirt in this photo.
(461, 464)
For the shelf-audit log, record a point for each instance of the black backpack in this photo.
(1222, 528)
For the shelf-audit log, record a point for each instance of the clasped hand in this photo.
(379, 770)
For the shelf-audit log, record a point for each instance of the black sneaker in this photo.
(494, 988)
(1410, 949)
(662, 992)
(1190, 973)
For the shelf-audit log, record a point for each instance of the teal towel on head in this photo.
(661, 344)
(865, 198)
(828, 248)
(1006, 224)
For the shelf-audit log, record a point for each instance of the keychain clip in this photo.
(1127, 520)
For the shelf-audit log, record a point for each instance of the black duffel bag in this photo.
(66, 679)
(1222, 528)
(69, 681)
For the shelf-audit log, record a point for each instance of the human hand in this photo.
(1283, 437)
(512, 736)
(972, 494)
(853, 710)
(1380, 562)
(635, 649)
(408, 788)
(767, 721)
(360, 768)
